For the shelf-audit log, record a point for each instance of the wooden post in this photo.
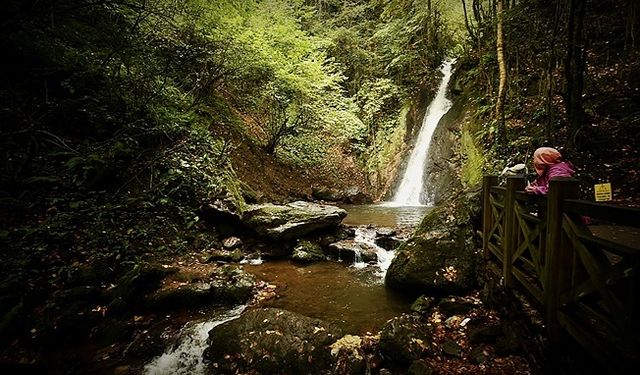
(510, 239)
(558, 256)
(487, 212)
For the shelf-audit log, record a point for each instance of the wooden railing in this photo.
(587, 285)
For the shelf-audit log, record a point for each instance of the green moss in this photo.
(473, 160)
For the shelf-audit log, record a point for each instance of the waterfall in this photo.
(411, 191)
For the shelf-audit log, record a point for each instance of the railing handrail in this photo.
(565, 256)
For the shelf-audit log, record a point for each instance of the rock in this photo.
(347, 249)
(454, 305)
(228, 284)
(110, 332)
(293, 220)
(272, 341)
(423, 304)
(224, 256)
(327, 194)
(232, 243)
(307, 252)
(385, 232)
(452, 348)
(354, 195)
(442, 255)
(405, 339)
(420, 367)
(224, 214)
(232, 284)
(139, 281)
(388, 243)
(479, 354)
(184, 296)
(348, 354)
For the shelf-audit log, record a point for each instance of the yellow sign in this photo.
(603, 192)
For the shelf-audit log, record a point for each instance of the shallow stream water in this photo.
(349, 295)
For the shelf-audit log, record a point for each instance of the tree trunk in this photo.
(574, 66)
(502, 71)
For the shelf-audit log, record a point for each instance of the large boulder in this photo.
(442, 255)
(272, 341)
(293, 220)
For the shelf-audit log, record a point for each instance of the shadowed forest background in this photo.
(123, 121)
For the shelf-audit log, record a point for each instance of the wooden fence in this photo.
(585, 284)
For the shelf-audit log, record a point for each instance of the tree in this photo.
(574, 65)
(501, 67)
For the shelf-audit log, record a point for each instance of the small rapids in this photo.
(367, 236)
(186, 358)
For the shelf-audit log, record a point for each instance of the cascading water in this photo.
(411, 191)
(367, 236)
(186, 358)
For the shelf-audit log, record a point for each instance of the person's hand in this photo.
(528, 188)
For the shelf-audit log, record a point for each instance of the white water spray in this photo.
(411, 191)
(367, 236)
(186, 358)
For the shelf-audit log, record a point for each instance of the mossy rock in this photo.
(272, 341)
(442, 255)
(307, 252)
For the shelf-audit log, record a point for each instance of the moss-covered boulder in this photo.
(443, 254)
(291, 221)
(307, 252)
(272, 341)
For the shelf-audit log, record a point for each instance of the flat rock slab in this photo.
(292, 220)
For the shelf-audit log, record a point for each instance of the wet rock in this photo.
(147, 344)
(347, 250)
(405, 339)
(272, 341)
(423, 304)
(441, 256)
(386, 232)
(388, 243)
(231, 284)
(420, 367)
(307, 252)
(292, 220)
(231, 243)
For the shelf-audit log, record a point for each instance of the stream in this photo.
(349, 295)
(352, 296)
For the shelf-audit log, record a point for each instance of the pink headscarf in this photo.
(544, 157)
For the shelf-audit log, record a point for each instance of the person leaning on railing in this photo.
(548, 163)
